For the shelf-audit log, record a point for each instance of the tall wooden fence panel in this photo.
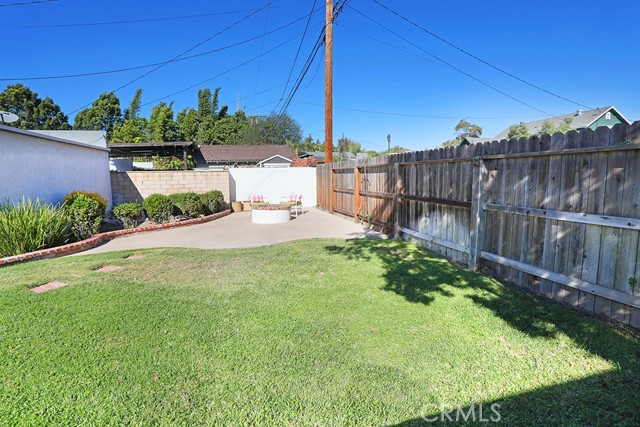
(558, 214)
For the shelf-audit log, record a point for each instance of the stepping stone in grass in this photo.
(47, 287)
(108, 268)
(134, 256)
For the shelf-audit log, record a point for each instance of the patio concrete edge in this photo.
(101, 238)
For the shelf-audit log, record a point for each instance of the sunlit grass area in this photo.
(318, 332)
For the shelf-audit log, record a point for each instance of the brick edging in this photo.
(100, 238)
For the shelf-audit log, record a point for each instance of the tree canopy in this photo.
(463, 129)
(518, 131)
(33, 111)
(103, 114)
(272, 129)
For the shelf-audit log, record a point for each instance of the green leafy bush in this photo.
(131, 214)
(29, 226)
(86, 215)
(187, 204)
(212, 200)
(69, 198)
(158, 208)
(162, 163)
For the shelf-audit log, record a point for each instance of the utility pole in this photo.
(328, 84)
(388, 143)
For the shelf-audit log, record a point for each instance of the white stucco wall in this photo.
(273, 183)
(48, 168)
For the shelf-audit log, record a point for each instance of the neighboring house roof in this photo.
(90, 137)
(474, 140)
(45, 136)
(579, 120)
(277, 156)
(241, 153)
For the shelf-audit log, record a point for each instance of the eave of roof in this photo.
(50, 138)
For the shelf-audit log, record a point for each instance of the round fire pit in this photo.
(270, 214)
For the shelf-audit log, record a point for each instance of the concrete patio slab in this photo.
(237, 231)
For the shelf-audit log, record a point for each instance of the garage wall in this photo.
(273, 183)
(40, 166)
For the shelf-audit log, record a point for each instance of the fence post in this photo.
(476, 240)
(356, 193)
(331, 181)
(396, 200)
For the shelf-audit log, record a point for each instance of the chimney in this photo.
(579, 113)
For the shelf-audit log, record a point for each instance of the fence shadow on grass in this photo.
(422, 277)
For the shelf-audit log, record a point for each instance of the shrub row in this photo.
(28, 225)
(160, 208)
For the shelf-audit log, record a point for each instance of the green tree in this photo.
(162, 126)
(463, 129)
(227, 129)
(104, 114)
(133, 128)
(346, 145)
(33, 111)
(547, 127)
(518, 131)
(271, 129)
(188, 122)
(565, 126)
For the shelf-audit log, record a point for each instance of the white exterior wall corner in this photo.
(36, 166)
(273, 183)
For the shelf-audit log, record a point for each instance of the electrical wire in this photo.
(27, 3)
(222, 73)
(476, 57)
(451, 65)
(138, 21)
(422, 116)
(295, 59)
(183, 53)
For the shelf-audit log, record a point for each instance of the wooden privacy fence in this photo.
(558, 214)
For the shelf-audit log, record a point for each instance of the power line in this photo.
(451, 65)
(295, 59)
(422, 116)
(314, 51)
(26, 3)
(223, 73)
(184, 52)
(139, 67)
(137, 21)
(478, 58)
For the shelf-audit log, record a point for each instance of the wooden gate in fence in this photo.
(558, 214)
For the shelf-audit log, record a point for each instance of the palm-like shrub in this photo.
(29, 226)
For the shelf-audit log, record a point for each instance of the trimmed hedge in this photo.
(187, 204)
(212, 201)
(131, 214)
(86, 215)
(158, 208)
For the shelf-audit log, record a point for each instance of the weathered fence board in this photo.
(558, 214)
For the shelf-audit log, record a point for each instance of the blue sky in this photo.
(585, 51)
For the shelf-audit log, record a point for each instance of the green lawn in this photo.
(319, 332)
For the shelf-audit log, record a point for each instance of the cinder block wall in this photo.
(134, 186)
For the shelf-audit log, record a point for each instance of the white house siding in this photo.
(45, 167)
(273, 183)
